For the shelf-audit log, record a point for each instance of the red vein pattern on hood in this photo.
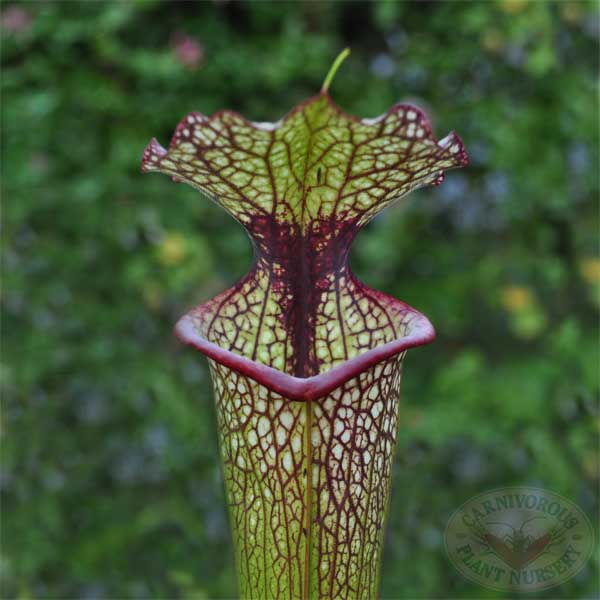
(305, 358)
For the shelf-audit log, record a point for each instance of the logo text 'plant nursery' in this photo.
(519, 539)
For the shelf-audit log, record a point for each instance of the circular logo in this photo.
(519, 539)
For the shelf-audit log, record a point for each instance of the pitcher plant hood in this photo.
(300, 322)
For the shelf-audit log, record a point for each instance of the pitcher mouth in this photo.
(302, 389)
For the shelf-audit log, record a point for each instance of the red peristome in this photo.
(304, 388)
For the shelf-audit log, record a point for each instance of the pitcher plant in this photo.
(305, 359)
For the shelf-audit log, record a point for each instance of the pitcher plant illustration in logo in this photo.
(518, 548)
(306, 359)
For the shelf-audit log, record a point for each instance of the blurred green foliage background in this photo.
(110, 477)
